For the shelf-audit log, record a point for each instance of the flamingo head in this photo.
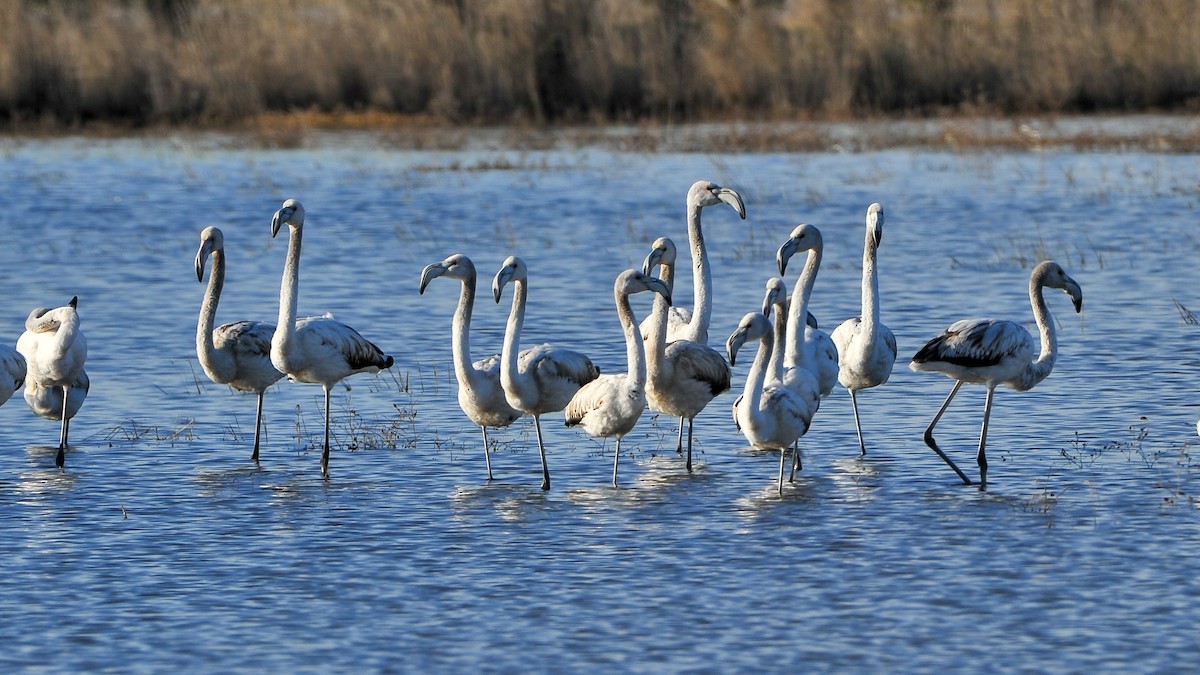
(633, 281)
(212, 242)
(457, 266)
(291, 213)
(513, 269)
(776, 296)
(1053, 275)
(753, 326)
(875, 224)
(706, 193)
(662, 252)
(804, 238)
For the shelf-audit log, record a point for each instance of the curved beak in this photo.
(202, 258)
(876, 233)
(734, 343)
(733, 199)
(431, 272)
(652, 261)
(657, 286)
(281, 216)
(1076, 294)
(784, 254)
(500, 280)
(768, 303)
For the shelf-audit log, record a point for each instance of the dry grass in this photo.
(350, 63)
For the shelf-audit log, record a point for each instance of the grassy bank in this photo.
(72, 63)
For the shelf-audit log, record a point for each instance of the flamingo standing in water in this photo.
(993, 352)
(543, 378)
(611, 405)
(683, 376)
(237, 354)
(770, 417)
(12, 372)
(55, 350)
(316, 349)
(866, 348)
(807, 346)
(693, 325)
(479, 392)
(47, 401)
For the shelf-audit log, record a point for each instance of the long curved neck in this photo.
(657, 337)
(756, 378)
(205, 347)
(798, 312)
(634, 351)
(1041, 367)
(460, 336)
(512, 336)
(701, 274)
(285, 329)
(870, 290)
(775, 366)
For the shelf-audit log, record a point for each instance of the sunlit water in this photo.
(163, 546)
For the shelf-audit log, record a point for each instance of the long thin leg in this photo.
(679, 444)
(933, 444)
(537, 425)
(616, 457)
(487, 456)
(782, 457)
(61, 458)
(980, 457)
(689, 455)
(857, 425)
(257, 428)
(795, 461)
(325, 452)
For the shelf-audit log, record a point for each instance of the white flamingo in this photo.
(770, 417)
(807, 346)
(479, 392)
(611, 405)
(12, 372)
(683, 376)
(992, 352)
(55, 351)
(544, 378)
(237, 354)
(866, 348)
(693, 325)
(316, 349)
(796, 378)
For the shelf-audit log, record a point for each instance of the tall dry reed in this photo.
(138, 62)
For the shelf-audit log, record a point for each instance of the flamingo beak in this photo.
(278, 220)
(733, 199)
(1076, 294)
(202, 258)
(431, 272)
(734, 343)
(652, 260)
(498, 282)
(658, 286)
(784, 254)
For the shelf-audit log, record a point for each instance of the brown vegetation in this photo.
(211, 62)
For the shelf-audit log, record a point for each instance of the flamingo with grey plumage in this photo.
(807, 346)
(55, 351)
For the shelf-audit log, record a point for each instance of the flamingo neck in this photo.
(509, 376)
(756, 378)
(701, 274)
(210, 360)
(634, 351)
(657, 337)
(797, 314)
(775, 365)
(283, 342)
(460, 336)
(870, 291)
(1040, 368)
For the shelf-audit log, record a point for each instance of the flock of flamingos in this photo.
(671, 367)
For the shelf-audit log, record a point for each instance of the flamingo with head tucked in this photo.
(994, 352)
(55, 351)
(541, 379)
(316, 349)
(12, 372)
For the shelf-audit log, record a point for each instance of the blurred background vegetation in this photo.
(71, 63)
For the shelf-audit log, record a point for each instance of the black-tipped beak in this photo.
(430, 273)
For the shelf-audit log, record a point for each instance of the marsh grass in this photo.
(357, 63)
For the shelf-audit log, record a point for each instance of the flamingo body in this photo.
(47, 401)
(55, 351)
(12, 372)
(807, 346)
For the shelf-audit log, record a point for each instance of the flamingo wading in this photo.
(611, 405)
(55, 351)
(12, 372)
(479, 392)
(315, 349)
(237, 354)
(992, 352)
(543, 378)
(807, 346)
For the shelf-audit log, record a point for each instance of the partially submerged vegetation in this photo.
(72, 64)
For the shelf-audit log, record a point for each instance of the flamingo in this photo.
(693, 325)
(479, 392)
(610, 405)
(770, 417)
(992, 352)
(866, 348)
(47, 401)
(545, 377)
(796, 378)
(683, 376)
(12, 372)
(316, 349)
(237, 354)
(55, 350)
(807, 346)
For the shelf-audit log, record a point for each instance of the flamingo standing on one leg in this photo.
(992, 352)
(611, 405)
(544, 378)
(315, 349)
(12, 372)
(479, 392)
(237, 354)
(866, 348)
(55, 350)
(683, 375)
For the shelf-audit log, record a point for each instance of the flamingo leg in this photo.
(782, 457)
(616, 457)
(487, 457)
(679, 443)
(795, 461)
(689, 454)
(537, 425)
(980, 457)
(857, 425)
(60, 459)
(325, 452)
(933, 444)
(257, 427)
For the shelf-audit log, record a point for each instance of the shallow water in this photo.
(162, 545)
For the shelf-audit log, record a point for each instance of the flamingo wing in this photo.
(702, 363)
(978, 343)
